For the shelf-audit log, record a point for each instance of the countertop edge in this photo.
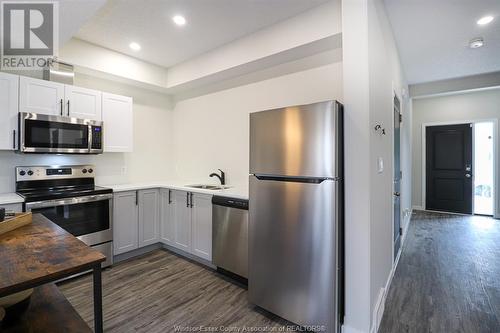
(232, 192)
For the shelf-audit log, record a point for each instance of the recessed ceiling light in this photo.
(485, 20)
(476, 43)
(134, 46)
(179, 20)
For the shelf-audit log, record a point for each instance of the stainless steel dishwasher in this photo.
(230, 234)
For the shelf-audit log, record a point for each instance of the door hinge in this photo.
(401, 231)
(400, 118)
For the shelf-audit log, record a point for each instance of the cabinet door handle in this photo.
(14, 139)
(192, 200)
(187, 199)
(169, 197)
(136, 198)
(62, 103)
(68, 106)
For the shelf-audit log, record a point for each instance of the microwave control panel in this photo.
(96, 137)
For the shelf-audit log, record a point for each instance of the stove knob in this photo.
(91, 170)
(22, 172)
(30, 173)
(84, 170)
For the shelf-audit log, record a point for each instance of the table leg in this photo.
(97, 299)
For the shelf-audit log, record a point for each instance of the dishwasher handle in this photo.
(230, 202)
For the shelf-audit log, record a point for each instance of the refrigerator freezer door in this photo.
(293, 255)
(297, 141)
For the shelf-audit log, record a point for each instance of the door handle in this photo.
(468, 175)
(68, 106)
(468, 168)
(187, 199)
(397, 194)
(191, 199)
(14, 139)
(169, 197)
(62, 106)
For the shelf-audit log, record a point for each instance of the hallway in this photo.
(448, 277)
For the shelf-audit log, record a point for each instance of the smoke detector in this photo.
(476, 43)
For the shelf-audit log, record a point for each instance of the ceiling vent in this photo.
(476, 43)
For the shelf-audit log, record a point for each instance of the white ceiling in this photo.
(433, 37)
(73, 14)
(210, 24)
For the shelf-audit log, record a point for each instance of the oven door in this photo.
(88, 218)
(55, 134)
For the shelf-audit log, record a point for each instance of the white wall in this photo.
(150, 161)
(372, 73)
(212, 131)
(386, 78)
(468, 106)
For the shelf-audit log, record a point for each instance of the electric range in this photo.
(68, 196)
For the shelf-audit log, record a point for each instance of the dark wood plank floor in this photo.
(160, 290)
(448, 277)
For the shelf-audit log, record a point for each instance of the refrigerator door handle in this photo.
(292, 179)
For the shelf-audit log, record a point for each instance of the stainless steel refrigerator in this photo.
(296, 214)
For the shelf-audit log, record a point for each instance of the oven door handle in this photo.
(67, 201)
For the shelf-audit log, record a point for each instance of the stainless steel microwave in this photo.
(39, 133)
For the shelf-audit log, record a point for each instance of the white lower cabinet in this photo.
(125, 222)
(149, 217)
(136, 218)
(201, 226)
(180, 219)
(167, 209)
(187, 222)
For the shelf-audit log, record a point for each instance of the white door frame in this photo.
(395, 94)
(496, 160)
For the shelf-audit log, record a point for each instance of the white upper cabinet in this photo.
(40, 96)
(118, 123)
(9, 107)
(82, 103)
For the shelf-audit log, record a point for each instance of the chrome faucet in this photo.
(222, 176)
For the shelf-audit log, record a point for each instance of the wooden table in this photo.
(43, 252)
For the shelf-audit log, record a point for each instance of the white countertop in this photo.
(238, 192)
(10, 198)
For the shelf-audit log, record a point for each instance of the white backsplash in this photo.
(108, 166)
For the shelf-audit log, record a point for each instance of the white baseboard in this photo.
(378, 311)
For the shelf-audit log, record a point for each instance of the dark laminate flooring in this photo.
(448, 277)
(157, 291)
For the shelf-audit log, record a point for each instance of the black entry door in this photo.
(449, 168)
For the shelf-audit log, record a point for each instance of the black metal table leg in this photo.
(97, 299)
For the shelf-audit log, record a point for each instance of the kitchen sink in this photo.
(209, 187)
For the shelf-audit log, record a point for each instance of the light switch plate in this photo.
(380, 165)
